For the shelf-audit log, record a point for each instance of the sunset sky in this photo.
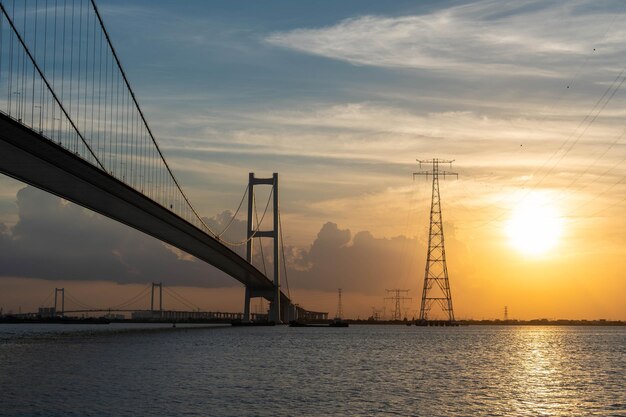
(341, 98)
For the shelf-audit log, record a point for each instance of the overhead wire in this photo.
(595, 197)
(602, 102)
(608, 207)
(405, 260)
(569, 84)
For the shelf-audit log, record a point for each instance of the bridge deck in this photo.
(32, 158)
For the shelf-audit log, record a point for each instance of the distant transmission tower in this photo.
(436, 269)
(506, 313)
(339, 314)
(397, 299)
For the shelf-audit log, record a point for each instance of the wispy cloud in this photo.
(524, 38)
(367, 131)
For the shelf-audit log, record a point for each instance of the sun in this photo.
(535, 225)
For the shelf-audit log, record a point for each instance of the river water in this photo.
(133, 370)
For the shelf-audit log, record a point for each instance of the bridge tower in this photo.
(155, 285)
(56, 293)
(436, 268)
(275, 309)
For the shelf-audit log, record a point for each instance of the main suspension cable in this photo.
(282, 245)
(236, 212)
(256, 214)
(45, 80)
(132, 300)
(181, 299)
(145, 123)
(243, 242)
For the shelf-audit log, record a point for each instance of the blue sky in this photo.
(317, 90)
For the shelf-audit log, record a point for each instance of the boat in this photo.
(241, 323)
(296, 323)
(338, 322)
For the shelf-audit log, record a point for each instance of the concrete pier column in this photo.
(246, 305)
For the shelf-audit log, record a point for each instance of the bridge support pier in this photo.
(246, 305)
(289, 312)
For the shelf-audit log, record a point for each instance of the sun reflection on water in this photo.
(546, 374)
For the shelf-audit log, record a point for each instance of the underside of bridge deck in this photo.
(29, 157)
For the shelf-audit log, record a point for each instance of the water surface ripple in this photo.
(118, 370)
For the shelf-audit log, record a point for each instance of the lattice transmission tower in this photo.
(436, 284)
(339, 314)
(397, 298)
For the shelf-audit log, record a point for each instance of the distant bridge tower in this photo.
(436, 268)
(160, 287)
(56, 293)
(275, 308)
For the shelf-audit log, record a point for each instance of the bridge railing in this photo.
(61, 77)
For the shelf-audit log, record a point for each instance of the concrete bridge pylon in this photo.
(252, 232)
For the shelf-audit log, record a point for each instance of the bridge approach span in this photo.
(30, 157)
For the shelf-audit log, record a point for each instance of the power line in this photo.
(591, 200)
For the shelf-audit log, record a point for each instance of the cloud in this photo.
(521, 38)
(360, 263)
(61, 241)
(56, 240)
(375, 138)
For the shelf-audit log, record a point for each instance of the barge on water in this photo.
(333, 323)
(241, 323)
(53, 320)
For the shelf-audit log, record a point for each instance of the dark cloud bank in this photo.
(58, 240)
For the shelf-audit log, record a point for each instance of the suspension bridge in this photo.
(147, 305)
(71, 124)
